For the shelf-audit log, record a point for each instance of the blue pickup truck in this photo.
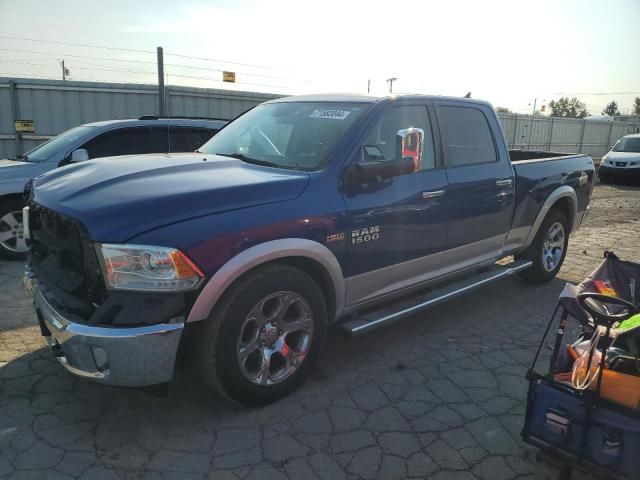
(301, 213)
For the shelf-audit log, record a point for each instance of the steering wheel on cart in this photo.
(596, 304)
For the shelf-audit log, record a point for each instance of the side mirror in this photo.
(79, 155)
(410, 143)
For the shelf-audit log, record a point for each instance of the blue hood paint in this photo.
(120, 197)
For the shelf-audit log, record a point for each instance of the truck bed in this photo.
(538, 174)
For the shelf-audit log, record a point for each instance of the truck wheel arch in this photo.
(563, 198)
(310, 256)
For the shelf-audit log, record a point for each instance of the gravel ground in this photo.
(439, 395)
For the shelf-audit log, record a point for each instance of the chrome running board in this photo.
(372, 319)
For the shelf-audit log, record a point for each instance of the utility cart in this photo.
(584, 412)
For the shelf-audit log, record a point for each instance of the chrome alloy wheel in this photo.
(275, 338)
(12, 235)
(553, 246)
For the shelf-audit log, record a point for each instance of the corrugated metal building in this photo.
(56, 106)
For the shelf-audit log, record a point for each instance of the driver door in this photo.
(398, 226)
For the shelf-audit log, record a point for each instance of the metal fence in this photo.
(564, 134)
(55, 106)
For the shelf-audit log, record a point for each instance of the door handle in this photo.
(432, 194)
(504, 183)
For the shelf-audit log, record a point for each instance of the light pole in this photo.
(390, 82)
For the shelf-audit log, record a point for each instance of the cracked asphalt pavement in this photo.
(438, 395)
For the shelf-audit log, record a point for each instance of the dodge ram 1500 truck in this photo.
(302, 212)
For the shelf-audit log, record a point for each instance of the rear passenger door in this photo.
(481, 185)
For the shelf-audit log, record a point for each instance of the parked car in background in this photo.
(303, 212)
(622, 162)
(148, 134)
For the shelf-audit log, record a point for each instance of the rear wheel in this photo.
(261, 341)
(549, 248)
(13, 243)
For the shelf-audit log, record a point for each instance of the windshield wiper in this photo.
(22, 158)
(254, 161)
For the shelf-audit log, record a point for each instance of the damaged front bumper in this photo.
(120, 356)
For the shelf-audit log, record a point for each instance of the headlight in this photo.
(142, 267)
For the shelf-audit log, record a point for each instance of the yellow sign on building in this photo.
(24, 126)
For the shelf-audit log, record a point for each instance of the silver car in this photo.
(622, 162)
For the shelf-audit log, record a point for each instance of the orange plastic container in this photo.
(618, 387)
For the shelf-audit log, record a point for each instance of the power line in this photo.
(74, 44)
(143, 72)
(81, 68)
(224, 61)
(54, 42)
(193, 67)
(75, 56)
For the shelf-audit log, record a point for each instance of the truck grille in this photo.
(64, 261)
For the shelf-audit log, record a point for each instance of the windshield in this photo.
(298, 135)
(629, 144)
(61, 142)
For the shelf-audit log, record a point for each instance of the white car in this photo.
(622, 162)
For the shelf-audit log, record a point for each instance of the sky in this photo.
(511, 53)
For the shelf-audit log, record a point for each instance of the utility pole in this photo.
(65, 71)
(160, 82)
(369, 86)
(390, 82)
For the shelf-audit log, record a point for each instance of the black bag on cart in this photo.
(580, 426)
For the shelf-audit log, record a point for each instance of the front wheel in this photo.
(261, 341)
(549, 248)
(13, 242)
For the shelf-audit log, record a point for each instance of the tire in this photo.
(542, 269)
(13, 245)
(251, 316)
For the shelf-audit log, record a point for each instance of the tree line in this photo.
(575, 108)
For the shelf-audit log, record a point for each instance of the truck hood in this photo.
(120, 197)
(12, 169)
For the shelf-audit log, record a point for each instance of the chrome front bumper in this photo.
(131, 357)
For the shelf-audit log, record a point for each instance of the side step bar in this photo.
(381, 316)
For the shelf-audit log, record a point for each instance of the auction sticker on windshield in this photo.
(332, 114)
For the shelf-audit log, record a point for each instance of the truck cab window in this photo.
(467, 136)
(380, 143)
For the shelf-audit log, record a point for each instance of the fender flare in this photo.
(263, 253)
(564, 191)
